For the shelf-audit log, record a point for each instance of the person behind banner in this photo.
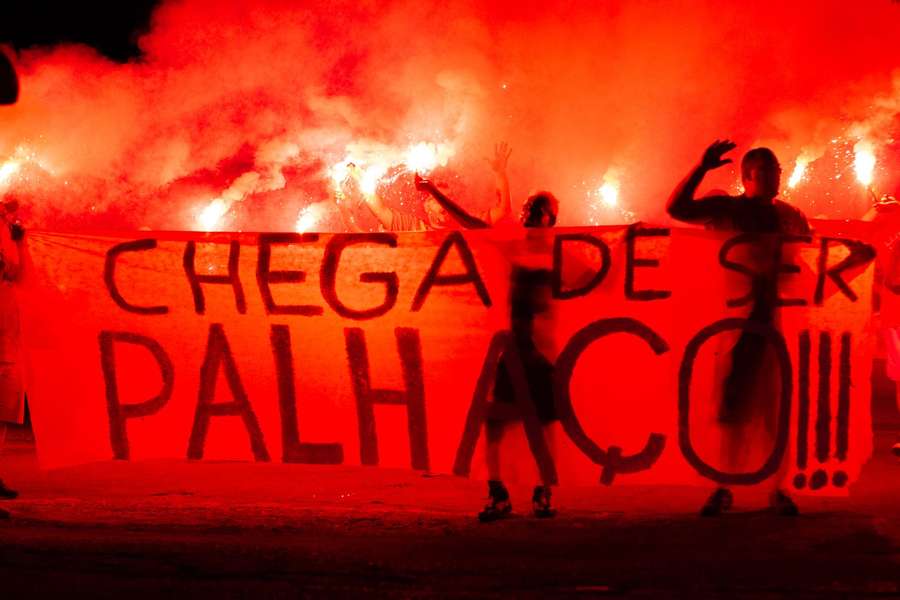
(11, 404)
(747, 397)
(885, 216)
(12, 396)
(435, 205)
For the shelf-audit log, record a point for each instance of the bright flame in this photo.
(340, 172)
(373, 161)
(421, 157)
(210, 216)
(609, 194)
(370, 179)
(864, 162)
(22, 156)
(799, 172)
(309, 217)
(8, 169)
(425, 156)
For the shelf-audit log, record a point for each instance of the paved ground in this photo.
(235, 530)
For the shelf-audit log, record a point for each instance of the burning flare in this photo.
(8, 169)
(370, 163)
(309, 217)
(799, 172)
(864, 162)
(425, 157)
(609, 194)
(208, 218)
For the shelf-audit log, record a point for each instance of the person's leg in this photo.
(896, 448)
(779, 498)
(5, 492)
(540, 499)
(731, 450)
(499, 504)
(737, 393)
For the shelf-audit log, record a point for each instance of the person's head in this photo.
(760, 174)
(9, 206)
(9, 83)
(436, 214)
(540, 210)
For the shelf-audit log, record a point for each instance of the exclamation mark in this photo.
(823, 412)
(842, 441)
(803, 410)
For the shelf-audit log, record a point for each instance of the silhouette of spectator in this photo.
(529, 298)
(435, 205)
(9, 93)
(745, 400)
(885, 216)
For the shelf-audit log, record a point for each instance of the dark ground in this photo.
(233, 529)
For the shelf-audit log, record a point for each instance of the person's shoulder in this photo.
(794, 218)
(719, 196)
(718, 209)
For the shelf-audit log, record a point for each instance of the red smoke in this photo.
(254, 101)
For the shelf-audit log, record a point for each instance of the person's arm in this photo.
(347, 217)
(9, 249)
(682, 205)
(455, 210)
(498, 166)
(373, 201)
(892, 273)
(384, 214)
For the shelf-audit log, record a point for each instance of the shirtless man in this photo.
(757, 210)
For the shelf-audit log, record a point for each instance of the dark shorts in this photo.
(539, 376)
(749, 395)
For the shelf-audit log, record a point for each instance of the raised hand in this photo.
(501, 157)
(887, 204)
(422, 184)
(712, 158)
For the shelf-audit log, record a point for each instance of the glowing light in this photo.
(20, 158)
(609, 194)
(799, 171)
(369, 164)
(210, 216)
(425, 156)
(370, 179)
(864, 162)
(309, 217)
(8, 169)
(421, 158)
(340, 172)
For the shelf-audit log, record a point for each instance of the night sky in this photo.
(110, 27)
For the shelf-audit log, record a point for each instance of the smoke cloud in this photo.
(249, 105)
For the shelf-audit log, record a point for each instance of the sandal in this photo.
(499, 507)
(540, 502)
(719, 501)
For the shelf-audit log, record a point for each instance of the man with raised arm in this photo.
(745, 400)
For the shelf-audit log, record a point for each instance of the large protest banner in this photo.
(380, 349)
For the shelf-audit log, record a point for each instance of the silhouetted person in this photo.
(9, 93)
(436, 216)
(885, 216)
(529, 298)
(746, 396)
